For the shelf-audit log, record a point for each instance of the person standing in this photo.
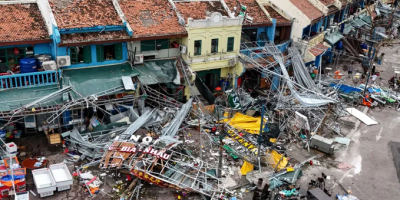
(374, 78)
(351, 68)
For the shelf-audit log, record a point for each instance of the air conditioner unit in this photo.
(49, 65)
(139, 59)
(328, 30)
(63, 61)
(182, 48)
(232, 62)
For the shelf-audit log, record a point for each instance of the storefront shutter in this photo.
(87, 54)
(118, 51)
(100, 53)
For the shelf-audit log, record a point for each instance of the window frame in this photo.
(232, 44)
(22, 54)
(197, 50)
(214, 48)
(86, 59)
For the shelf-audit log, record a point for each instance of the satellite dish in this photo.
(181, 21)
(216, 17)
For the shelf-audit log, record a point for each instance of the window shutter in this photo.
(230, 46)
(74, 55)
(100, 53)
(118, 51)
(87, 54)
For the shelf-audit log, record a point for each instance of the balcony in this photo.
(26, 80)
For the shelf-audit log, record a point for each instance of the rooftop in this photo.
(151, 18)
(274, 14)
(318, 49)
(307, 8)
(21, 22)
(93, 37)
(252, 8)
(84, 13)
(199, 10)
(327, 2)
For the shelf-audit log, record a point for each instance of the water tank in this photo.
(27, 65)
(42, 58)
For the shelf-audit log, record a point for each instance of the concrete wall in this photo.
(300, 20)
(64, 51)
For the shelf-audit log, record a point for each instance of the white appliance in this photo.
(44, 182)
(182, 48)
(139, 59)
(12, 149)
(62, 176)
(63, 61)
(49, 65)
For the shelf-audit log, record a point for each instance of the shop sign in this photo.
(148, 150)
(148, 178)
(145, 140)
(152, 179)
(243, 142)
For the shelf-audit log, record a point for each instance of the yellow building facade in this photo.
(212, 49)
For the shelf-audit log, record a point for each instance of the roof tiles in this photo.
(199, 10)
(93, 37)
(252, 9)
(84, 13)
(21, 22)
(318, 49)
(307, 8)
(274, 14)
(327, 2)
(151, 18)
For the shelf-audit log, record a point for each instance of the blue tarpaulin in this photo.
(346, 88)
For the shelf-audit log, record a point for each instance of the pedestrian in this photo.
(374, 78)
(351, 68)
(373, 69)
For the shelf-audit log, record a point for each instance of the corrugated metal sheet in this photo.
(159, 71)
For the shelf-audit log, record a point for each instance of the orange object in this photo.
(315, 71)
(19, 171)
(7, 161)
(93, 190)
(366, 101)
(218, 89)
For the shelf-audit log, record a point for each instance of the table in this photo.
(30, 163)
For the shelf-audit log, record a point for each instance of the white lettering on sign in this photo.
(135, 138)
(148, 150)
(146, 140)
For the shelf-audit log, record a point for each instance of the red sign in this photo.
(152, 179)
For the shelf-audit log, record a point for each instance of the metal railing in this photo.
(25, 80)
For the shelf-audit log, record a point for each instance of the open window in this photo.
(9, 57)
(214, 45)
(197, 47)
(109, 52)
(81, 55)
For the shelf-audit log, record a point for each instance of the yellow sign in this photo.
(243, 142)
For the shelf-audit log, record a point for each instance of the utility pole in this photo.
(221, 143)
(260, 135)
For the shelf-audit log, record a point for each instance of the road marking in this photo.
(378, 137)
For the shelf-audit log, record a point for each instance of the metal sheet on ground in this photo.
(361, 116)
(395, 148)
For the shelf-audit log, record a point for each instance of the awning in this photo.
(158, 71)
(89, 81)
(358, 23)
(347, 29)
(367, 19)
(12, 99)
(333, 37)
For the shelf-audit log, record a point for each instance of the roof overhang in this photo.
(25, 42)
(257, 25)
(122, 40)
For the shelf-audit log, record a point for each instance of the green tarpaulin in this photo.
(159, 71)
(15, 98)
(333, 37)
(89, 81)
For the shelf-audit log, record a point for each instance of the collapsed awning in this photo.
(348, 27)
(158, 71)
(13, 99)
(333, 37)
(89, 81)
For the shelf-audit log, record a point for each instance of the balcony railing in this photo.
(25, 80)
